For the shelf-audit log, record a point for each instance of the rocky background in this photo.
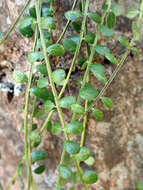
(116, 143)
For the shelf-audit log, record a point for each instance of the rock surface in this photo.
(116, 144)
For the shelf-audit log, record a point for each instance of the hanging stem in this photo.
(122, 61)
(67, 24)
(50, 70)
(72, 64)
(26, 131)
(15, 23)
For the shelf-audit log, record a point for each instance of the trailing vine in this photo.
(43, 84)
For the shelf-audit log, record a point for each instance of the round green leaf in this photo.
(47, 23)
(49, 126)
(48, 106)
(90, 177)
(117, 9)
(65, 172)
(74, 127)
(35, 138)
(98, 114)
(89, 38)
(69, 45)
(81, 61)
(46, 10)
(73, 15)
(34, 126)
(19, 169)
(111, 20)
(74, 38)
(95, 17)
(38, 155)
(132, 13)
(136, 50)
(32, 12)
(67, 101)
(25, 26)
(42, 69)
(123, 41)
(107, 102)
(35, 56)
(88, 93)
(102, 50)
(90, 161)
(111, 58)
(98, 70)
(19, 76)
(77, 26)
(63, 181)
(42, 93)
(42, 82)
(107, 31)
(71, 147)
(59, 189)
(56, 128)
(139, 186)
(83, 154)
(56, 50)
(58, 75)
(136, 30)
(39, 169)
(76, 108)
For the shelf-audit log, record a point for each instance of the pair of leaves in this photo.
(103, 50)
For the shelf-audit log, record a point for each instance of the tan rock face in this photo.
(116, 143)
